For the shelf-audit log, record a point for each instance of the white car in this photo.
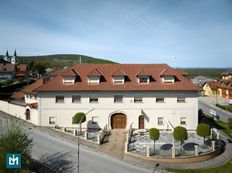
(230, 102)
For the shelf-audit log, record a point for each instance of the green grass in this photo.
(225, 107)
(227, 167)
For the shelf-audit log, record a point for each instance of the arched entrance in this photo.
(141, 122)
(118, 121)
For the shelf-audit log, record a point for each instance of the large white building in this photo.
(117, 96)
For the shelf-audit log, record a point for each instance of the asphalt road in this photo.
(221, 114)
(61, 155)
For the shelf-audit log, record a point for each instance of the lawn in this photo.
(226, 168)
(225, 107)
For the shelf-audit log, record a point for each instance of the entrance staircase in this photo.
(116, 145)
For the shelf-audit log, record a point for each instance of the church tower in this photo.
(14, 59)
(7, 58)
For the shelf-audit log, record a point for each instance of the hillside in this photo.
(60, 60)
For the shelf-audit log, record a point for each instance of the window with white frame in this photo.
(138, 99)
(118, 79)
(159, 99)
(118, 99)
(52, 120)
(60, 99)
(183, 121)
(76, 99)
(94, 79)
(160, 121)
(181, 99)
(93, 100)
(144, 79)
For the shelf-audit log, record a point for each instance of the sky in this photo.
(181, 33)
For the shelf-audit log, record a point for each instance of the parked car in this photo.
(230, 102)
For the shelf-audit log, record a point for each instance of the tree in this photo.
(154, 135)
(79, 118)
(203, 130)
(180, 134)
(230, 123)
(15, 140)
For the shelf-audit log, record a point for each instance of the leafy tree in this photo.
(154, 135)
(203, 130)
(230, 123)
(15, 140)
(180, 134)
(79, 118)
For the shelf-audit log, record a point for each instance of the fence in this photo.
(19, 111)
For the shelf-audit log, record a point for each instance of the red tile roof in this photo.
(7, 67)
(212, 84)
(119, 72)
(18, 95)
(107, 70)
(169, 72)
(70, 72)
(94, 72)
(21, 67)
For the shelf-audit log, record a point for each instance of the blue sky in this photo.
(197, 32)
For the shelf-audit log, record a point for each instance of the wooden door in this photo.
(118, 121)
(141, 122)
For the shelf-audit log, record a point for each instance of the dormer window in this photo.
(69, 77)
(143, 79)
(69, 80)
(168, 75)
(168, 79)
(119, 77)
(94, 77)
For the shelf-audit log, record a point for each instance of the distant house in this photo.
(227, 74)
(7, 71)
(10, 68)
(210, 88)
(225, 88)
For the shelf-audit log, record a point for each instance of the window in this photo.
(144, 79)
(159, 99)
(118, 80)
(52, 120)
(118, 98)
(76, 99)
(28, 115)
(94, 80)
(183, 120)
(35, 97)
(181, 99)
(59, 99)
(138, 99)
(168, 79)
(93, 100)
(160, 121)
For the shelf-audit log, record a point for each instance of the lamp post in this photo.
(78, 143)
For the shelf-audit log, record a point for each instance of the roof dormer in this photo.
(168, 75)
(144, 77)
(70, 76)
(94, 77)
(118, 77)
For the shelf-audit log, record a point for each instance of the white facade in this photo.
(171, 110)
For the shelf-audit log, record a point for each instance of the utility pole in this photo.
(78, 143)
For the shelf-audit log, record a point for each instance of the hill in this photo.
(60, 60)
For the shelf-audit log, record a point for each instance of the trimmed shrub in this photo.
(154, 135)
(180, 134)
(203, 130)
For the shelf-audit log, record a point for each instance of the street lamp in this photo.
(78, 142)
